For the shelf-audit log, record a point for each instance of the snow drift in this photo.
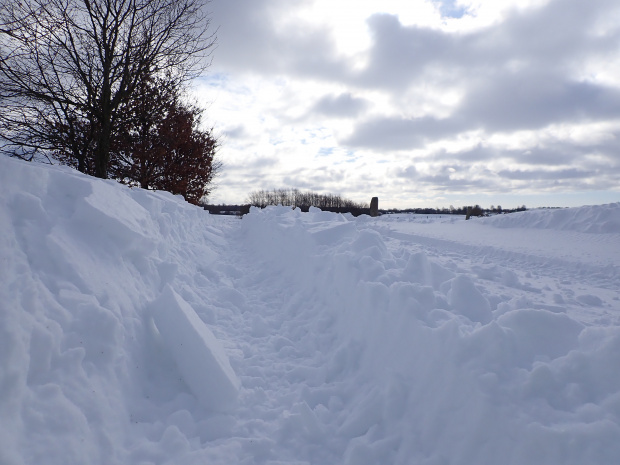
(135, 329)
(592, 219)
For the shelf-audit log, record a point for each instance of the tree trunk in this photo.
(102, 152)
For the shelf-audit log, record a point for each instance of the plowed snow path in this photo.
(282, 359)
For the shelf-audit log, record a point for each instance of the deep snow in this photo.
(138, 329)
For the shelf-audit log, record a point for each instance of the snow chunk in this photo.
(468, 301)
(418, 269)
(201, 359)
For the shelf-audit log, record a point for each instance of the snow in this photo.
(138, 329)
(594, 219)
(200, 358)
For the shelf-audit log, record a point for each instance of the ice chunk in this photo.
(199, 356)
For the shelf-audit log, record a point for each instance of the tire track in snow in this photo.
(553, 283)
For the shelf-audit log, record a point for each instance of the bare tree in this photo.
(67, 65)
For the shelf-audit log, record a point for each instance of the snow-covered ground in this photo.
(138, 329)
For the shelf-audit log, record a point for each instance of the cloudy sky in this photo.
(419, 102)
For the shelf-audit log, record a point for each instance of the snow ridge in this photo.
(595, 219)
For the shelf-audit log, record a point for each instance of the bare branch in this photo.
(66, 64)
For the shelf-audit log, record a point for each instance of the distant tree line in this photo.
(304, 200)
(475, 210)
(98, 85)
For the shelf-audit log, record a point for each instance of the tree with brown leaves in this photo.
(163, 145)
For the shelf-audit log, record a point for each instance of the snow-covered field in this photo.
(138, 329)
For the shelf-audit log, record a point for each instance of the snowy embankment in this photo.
(594, 219)
(137, 329)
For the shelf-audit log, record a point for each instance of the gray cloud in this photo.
(400, 54)
(560, 164)
(513, 103)
(473, 183)
(410, 172)
(343, 105)
(393, 133)
(476, 154)
(237, 132)
(253, 38)
(546, 175)
(553, 38)
(315, 178)
(257, 165)
(552, 154)
(519, 74)
(506, 105)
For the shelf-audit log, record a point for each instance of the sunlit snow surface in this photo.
(138, 329)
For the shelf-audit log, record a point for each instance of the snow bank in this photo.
(81, 378)
(589, 219)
